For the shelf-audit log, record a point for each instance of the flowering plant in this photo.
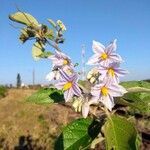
(97, 101)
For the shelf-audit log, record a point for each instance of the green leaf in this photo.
(24, 18)
(37, 50)
(119, 134)
(45, 54)
(52, 22)
(46, 96)
(139, 102)
(131, 84)
(78, 135)
(26, 33)
(50, 34)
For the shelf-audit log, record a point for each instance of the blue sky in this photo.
(86, 20)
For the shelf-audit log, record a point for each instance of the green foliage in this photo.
(3, 91)
(45, 54)
(52, 23)
(74, 136)
(46, 96)
(138, 102)
(131, 84)
(26, 33)
(120, 134)
(78, 135)
(50, 34)
(24, 18)
(37, 50)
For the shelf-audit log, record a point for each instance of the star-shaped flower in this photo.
(69, 85)
(60, 60)
(105, 93)
(112, 72)
(104, 55)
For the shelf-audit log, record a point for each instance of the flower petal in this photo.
(76, 90)
(115, 57)
(60, 84)
(64, 75)
(50, 76)
(93, 60)
(116, 90)
(98, 47)
(111, 47)
(107, 101)
(68, 94)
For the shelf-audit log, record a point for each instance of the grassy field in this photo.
(27, 124)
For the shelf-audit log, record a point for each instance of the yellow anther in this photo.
(104, 91)
(104, 56)
(65, 62)
(111, 72)
(67, 86)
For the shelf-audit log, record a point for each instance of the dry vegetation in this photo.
(30, 126)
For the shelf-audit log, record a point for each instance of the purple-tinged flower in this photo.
(104, 56)
(69, 85)
(61, 60)
(111, 72)
(105, 93)
(55, 73)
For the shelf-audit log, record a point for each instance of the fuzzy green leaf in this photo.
(74, 136)
(37, 50)
(46, 96)
(52, 22)
(119, 134)
(138, 102)
(24, 18)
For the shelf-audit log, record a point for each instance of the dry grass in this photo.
(27, 122)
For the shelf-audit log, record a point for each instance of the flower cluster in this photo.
(104, 78)
(63, 72)
(106, 85)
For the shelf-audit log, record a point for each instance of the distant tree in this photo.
(18, 80)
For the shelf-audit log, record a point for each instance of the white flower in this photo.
(69, 85)
(104, 56)
(112, 72)
(105, 93)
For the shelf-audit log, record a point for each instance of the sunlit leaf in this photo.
(139, 102)
(26, 33)
(24, 18)
(50, 34)
(79, 134)
(37, 50)
(52, 22)
(45, 54)
(46, 96)
(119, 134)
(75, 135)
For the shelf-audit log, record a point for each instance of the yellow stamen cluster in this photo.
(104, 56)
(65, 62)
(111, 72)
(67, 86)
(104, 91)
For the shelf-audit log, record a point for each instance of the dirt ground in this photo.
(24, 125)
